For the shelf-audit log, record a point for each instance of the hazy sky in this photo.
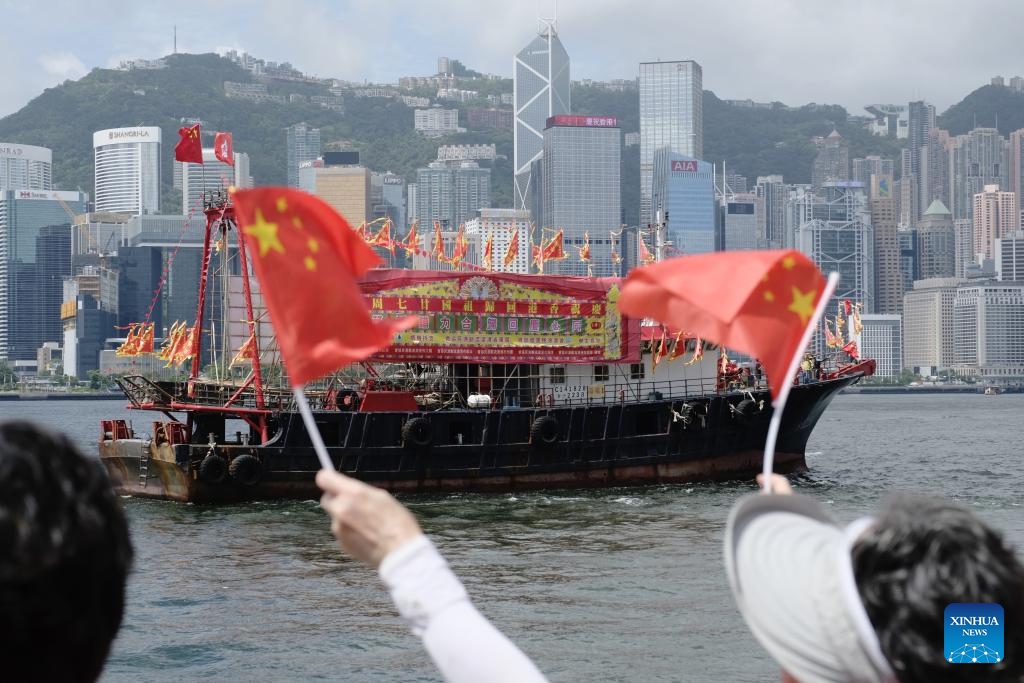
(794, 51)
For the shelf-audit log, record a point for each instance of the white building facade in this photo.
(127, 170)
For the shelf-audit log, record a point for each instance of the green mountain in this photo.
(990, 106)
(750, 141)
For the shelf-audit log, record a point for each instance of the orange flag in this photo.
(757, 302)
(461, 246)
(145, 343)
(438, 252)
(513, 249)
(307, 259)
(245, 352)
(537, 255)
(131, 341)
(488, 252)
(383, 238)
(412, 240)
(585, 249)
(554, 250)
(643, 252)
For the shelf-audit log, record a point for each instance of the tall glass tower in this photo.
(303, 145)
(540, 89)
(671, 115)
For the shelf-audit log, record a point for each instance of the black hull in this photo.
(588, 446)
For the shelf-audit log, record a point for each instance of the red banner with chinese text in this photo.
(502, 317)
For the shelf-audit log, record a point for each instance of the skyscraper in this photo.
(921, 119)
(1016, 171)
(995, 215)
(832, 164)
(127, 167)
(936, 242)
(888, 278)
(683, 190)
(25, 167)
(35, 257)
(303, 145)
(581, 190)
(976, 160)
(671, 116)
(540, 89)
(202, 179)
(773, 192)
(451, 192)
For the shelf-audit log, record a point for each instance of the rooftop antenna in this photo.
(175, 39)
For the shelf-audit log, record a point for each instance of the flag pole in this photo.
(779, 404)
(314, 431)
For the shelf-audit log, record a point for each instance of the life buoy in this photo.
(246, 469)
(213, 469)
(417, 433)
(544, 430)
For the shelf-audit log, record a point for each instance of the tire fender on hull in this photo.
(544, 431)
(246, 469)
(213, 469)
(417, 433)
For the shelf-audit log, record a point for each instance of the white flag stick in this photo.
(779, 404)
(314, 431)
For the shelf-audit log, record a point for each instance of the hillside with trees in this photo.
(751, 141)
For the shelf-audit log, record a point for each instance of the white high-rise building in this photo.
(540, 88)
(500, 226)
(25, 167)
(212, 174)
(127, 168)
(671, 115)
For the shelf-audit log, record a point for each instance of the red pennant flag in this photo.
(412, 240)
(307, 259)
(554, 250)
(190, 147)
(513, 250)
(851, 348)
(488, 257)
(438, 252)
(585, 249)
(757, 302)
(223, 148)
(643, 252)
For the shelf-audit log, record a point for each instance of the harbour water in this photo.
(612, 585)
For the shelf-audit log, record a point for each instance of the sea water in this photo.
(609, 585)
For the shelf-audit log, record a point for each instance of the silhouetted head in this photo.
(64, 558)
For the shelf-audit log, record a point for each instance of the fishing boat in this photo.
(509, 382)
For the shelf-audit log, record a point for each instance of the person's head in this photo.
(920, 556)
(866, 603)
(64, 558)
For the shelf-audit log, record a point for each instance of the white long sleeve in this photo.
(463, 644)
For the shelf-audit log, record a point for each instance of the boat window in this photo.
(557, 374)
(636, 371)
(600, 373)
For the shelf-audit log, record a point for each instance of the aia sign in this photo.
(687, 166)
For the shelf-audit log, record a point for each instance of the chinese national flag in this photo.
(307, 259)
(190, 147)
(223, 148)
(757, 302)
(513, 250)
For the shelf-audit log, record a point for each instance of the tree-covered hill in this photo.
(987, 106)
(751, 141)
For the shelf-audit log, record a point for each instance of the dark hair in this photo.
(64, 558)
(921, 556)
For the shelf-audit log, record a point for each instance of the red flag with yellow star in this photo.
(190, 147)
(757, 302)
(308, 259)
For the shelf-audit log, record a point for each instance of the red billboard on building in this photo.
(582, 121)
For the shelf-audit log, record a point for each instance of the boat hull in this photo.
(500, 450)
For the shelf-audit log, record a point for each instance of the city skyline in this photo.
(745, 52)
